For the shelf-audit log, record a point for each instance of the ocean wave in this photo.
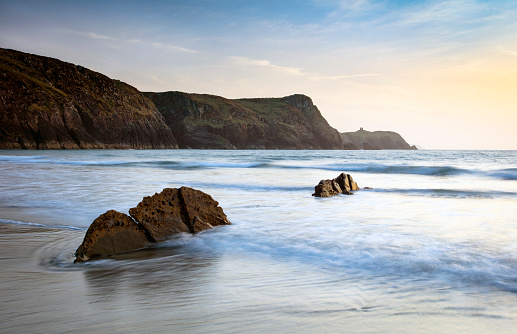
(505, 174)
(16, 222)
(20, 158)
(389, 169)
(415, 259)
(439, 171)
(270, 163)
(252, 187)
(449, 193)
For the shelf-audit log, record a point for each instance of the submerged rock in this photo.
(343, 184)
(327, 188)
(154, 219)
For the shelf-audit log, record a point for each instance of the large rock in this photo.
(154, 219)
(202, 211)
(327, 188)
(161, 214)
(343, 184)
(111, 233)
(178, 210)
(346, 183)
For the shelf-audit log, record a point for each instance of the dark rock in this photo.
(202, 211)
(346, 183)
(111, 233)
(343, 184)
(154, 219)
(376, 140)
(161, 214)
(178, 210)
(327, 188)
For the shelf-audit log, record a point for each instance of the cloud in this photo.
(504, 50)
(293, 71)
(93, 35)
(337, 77)
(157, 45)
(174, 48)
(266, 64)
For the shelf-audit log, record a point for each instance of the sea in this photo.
(427, 245)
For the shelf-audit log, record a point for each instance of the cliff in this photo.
(376, 140)
(46, 103)
(213, 122)
(49, 104)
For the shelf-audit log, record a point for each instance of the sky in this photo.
(443, 74)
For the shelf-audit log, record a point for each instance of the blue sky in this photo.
(438, 72)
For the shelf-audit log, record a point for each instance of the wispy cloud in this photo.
(453, 11)
(265, 64)
(174, 48)
(157, 45)
(504, 50)
(293, 71)
(93, 35)
(337, 77)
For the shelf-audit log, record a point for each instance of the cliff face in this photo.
(213, 122)
(377, 140)
(49, 104)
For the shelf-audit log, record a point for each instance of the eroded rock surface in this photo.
(343, 184)
(154, 219)
(202, 211)
(111, 233)
(178, 210)
(161, 214)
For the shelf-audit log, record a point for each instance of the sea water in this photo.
(432, 247)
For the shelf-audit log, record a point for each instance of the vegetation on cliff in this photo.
(213, 122)
(49, 104)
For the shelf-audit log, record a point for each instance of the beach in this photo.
(430, 248)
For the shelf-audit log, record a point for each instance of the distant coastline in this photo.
(51, 104)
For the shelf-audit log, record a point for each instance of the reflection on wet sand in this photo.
(42, 290)
(150, 273)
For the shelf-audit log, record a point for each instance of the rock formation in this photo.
(376, 140)
(155, 219)
(343, 184)
(111, 233)
(213, 122)
(49, 104)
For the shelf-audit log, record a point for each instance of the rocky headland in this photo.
(376, 140)
(49, 104)
(46, 103)
(213, 122)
